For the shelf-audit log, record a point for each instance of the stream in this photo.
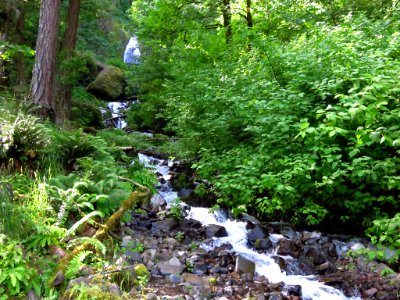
(237, 237)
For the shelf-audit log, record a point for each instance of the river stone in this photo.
(263, 244)
(244, 265)
(256, 233)
(157, 201)
(249, 219)
(288, 247)
(315, 254)
(214, 230)
(173, 266)
(276, 296)
(294, 290)
(165, 225)
(369, 293)
(194, 279)
(109, 84)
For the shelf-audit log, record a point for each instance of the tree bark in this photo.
(4, 27)
(227, 17)
(42, 88)
(249, 16)
(64, 90)
(21, 75)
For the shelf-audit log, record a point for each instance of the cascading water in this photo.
(132, 52)
(237, 237)
(117, 110)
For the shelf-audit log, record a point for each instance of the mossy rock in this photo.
(141, 271)
(109, 84)
(86, 115)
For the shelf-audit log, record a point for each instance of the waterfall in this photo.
(132, 52)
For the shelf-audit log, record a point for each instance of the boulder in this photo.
(214, 230)
(165, 225)
(173, 266)
(109, 84)
(255, 234)
(244, 265)
(288, 247)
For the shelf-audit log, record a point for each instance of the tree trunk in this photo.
(227, 16)
(249, 17)
(4, 26)
(64, 90)
(21, 75)
(45, 59)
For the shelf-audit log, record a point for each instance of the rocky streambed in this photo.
(208, 255)
(190, 252)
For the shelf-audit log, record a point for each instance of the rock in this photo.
(369, 293)
(32, 295)
(173, 278)
(263, 244)
(315, 254)
(288, 247)
(323, 267)
(157, 201)
(294, 290)
(243, 265)
(171, 243)
(276, 296)
(185, 193)
(173, 266)
(310, 235)
(194, 279)
(141, 271)
(58, 279)
(165, 225)
(109, 84)
(149, 255)
(55, 250)
(199, 268)
(256, 233)
(249, 219)
(213, 230)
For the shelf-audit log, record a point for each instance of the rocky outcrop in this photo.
(109, 84)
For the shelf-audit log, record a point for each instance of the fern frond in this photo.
(75, 264)
(82, 221)
(99, 246)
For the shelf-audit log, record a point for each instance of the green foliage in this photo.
(16, 274)
(23, 138)
(76, 264)
(175, 209)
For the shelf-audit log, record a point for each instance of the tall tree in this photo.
(42, 88)
(227, 18)
(64, 90)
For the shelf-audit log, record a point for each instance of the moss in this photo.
(109, 84)
(141, 271)
(86, 115)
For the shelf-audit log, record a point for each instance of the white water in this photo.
(237, 237)
(117, 108)
(132, 52)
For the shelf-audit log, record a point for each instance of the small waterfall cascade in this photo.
(132, 52)
(117, 111)
(237, 237)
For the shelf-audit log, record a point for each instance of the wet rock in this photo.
(243, 265)
(173, 266)
(257, 233)
(275, 287)
(215, 231)
(165, 225)
(252, 221)
(157, 201)
(263, 244)
(32, 295)
(310, 236)
(288, 247)
(323, 267)
(369, 293)
(276, 296)
(184, 193)
(294, 290)
(315, 254)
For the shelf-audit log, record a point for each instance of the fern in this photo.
(85, 219)
(99, 246)
(76, 264)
